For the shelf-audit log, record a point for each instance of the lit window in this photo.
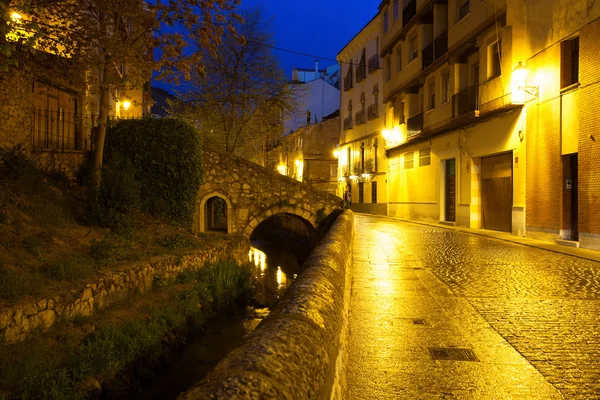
(425, 156)
(409, 160)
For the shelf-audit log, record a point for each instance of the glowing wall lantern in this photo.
(520, 90)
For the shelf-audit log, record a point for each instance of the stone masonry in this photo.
(254, 193)
(17, 321)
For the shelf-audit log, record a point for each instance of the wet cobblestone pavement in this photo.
(530, 316)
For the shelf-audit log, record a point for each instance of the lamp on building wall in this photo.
(15, 16)
(519, 84)
(126, 104)
(336, 152)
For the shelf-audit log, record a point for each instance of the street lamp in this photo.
(519, 83)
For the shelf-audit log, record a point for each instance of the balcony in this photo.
(440, 46)
(409, 12)
(348, 80)
(369, 165)
(361, 73)
(372, 112)
(414, 125)
(373, 63)
(348, 122)
(465, 101)
(427, 56)
(360, 117)
(345, 170)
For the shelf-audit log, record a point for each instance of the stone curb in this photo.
(19, 320)
(298, 351)
(586, 254)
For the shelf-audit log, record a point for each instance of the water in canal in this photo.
(274, 271)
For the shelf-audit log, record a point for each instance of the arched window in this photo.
(215, 214)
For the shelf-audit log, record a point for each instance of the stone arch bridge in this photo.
(237, 195)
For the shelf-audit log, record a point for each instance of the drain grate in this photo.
(452, 354)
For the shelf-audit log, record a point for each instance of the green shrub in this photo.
(117, 201)
(166, 156)
(228, 281)
(178, 241)
(15, 284)
(109, 249)
(14, 163)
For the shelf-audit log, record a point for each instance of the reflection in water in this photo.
(275, 270)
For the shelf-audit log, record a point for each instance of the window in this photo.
(399, 58)
(374, 192)
(385, 22)
(431, 89)
(333, 170)
(463, 9)
(569, 62)
(409, 160)
(445, 85)
(399, 112)
(362, 158)
(361, 192)
(375, 153)
(494, 55)
(425, 156)
(388, 68)
(395, 10)
(413, 51)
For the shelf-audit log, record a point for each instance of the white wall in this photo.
(317, 96)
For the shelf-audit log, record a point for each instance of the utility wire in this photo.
(310, 55)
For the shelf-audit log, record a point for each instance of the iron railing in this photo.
(372, 112)
(414, 125)
(56, 129)
(465, 101)
(359, 117)
(373, 63)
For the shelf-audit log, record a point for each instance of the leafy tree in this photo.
(112, 42)
(238, 100)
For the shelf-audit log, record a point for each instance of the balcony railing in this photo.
(440, 46)
(427, 56)
(414, 124)
(373, 112)
(348, 80)
(361, 73)
(373, 63)
(357, 168)
(369, 165)
(463, 10)
(409, 12)
(360, 117)
(465, 101)
(348, 122)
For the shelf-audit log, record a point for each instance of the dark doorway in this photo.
(573, 162)
(216, 215)
(450, 190)
(496, 192)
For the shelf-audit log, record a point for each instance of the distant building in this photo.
(330, 74)
(314, 100)
(307, 154)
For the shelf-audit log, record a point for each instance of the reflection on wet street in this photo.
(275, 270)
(437, 313)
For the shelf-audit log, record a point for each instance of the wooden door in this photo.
(496, 192)
(450, 190)
(574, 199)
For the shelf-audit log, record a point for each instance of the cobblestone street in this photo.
(530, 317)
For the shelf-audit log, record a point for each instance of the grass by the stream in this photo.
(123, 344)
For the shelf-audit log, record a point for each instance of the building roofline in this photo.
(358, 33)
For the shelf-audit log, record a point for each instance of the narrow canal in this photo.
(274, 271)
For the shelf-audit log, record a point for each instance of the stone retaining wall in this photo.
(298, 351)
(17, 321)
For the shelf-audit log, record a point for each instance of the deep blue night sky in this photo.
(319, 27)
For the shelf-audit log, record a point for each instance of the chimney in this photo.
(317, 66)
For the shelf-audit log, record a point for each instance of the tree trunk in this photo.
(99, 150)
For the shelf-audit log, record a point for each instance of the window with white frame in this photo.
(385, 22)
(399, 58)
(493, 60)
(413, 50)
(409, 160)
(445, 86)
(431, 94)
(388, 68)
(424, 156)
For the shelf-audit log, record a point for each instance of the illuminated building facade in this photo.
(489, 115)
(361, 157)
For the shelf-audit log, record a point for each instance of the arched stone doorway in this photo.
(214, 214)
